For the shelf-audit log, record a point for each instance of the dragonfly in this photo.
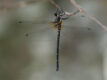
(57, 25)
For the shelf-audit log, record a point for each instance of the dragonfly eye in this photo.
(55, 14)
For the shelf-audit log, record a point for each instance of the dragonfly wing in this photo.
(34, 28)
(54, 24)
(32, 22)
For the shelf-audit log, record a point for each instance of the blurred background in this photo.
(28, 42)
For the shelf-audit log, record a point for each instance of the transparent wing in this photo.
(36, 27)
(33, 28)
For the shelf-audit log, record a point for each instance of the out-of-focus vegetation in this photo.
(28, 42)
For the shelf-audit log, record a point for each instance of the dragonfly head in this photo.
(55, 14)
(59, 13)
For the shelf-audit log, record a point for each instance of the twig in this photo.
(79, 10)
(76, 5)
(67, 13)
(89, 15)
(96, 20)
(57, 6)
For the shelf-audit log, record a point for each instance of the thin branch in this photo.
(96, 20)
(89, 15)
(72, 13)
(57, 6)
(79, 10)
(67, 13)
(75, 4)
